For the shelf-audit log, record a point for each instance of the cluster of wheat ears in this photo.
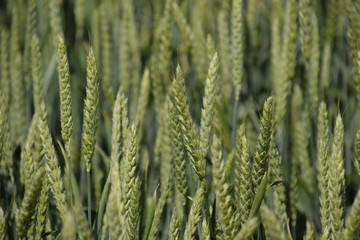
(180, 119)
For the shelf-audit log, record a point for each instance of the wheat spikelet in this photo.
(242, 174)
(65, 96)
(194, 215)
(42, 209)
(205, 233)
(263, 143)
(165, 143)
(175, 227)
(28, 204)
(336, 181)
(178, 157)
(277, 175)
(131, 185)
(189, 136)
(323, 163)
(222, 188)
(113, 219)
(91, 111)
(207, 112)
(237, 39)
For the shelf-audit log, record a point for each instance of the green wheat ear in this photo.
(323, 163)
(337, 181)
(66, 119)
(222, 191)
(237, 39)
(91, 111)
(207, 112)
(27, 209)
(194, 215)
(131, 185)
(276, 174)
(205, 230)
(187, 126)
(175, 226)
(242, 174)
(178, 152)
(263, 144)
(41, 209)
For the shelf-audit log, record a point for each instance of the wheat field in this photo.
(180, 119)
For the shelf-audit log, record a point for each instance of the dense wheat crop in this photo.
(180, 119)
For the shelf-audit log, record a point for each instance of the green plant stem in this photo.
(89, 196)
